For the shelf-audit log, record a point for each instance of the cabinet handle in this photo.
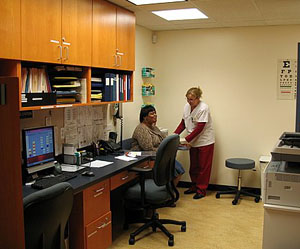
(60, 52)
(120, 56)
(67, 53)
(99, 190)
(104, 225)
(124, 178)
(54, 41)
(96, 195)
(91, 234)
(145, 167)
(116, 60)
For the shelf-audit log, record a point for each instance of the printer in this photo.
(281, 185)
(281, 195)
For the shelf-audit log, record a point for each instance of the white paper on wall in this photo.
(286, 79)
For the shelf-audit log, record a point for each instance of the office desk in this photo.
(90, 220)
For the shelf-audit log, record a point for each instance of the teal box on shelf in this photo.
(148, 90)
(148, 72)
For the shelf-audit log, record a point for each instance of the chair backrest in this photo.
(163, 171)
(46, 213)
(127, 144)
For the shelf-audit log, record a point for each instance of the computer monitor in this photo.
(38, 148)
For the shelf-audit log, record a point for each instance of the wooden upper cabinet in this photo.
(104, 34)
(113, 36)
(10, 42)
(77, 32)
(57, 31)
(126, 39)
(41, 30)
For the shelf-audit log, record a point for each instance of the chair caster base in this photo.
(171, 242)
(131, 241)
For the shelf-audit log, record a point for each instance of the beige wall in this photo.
(144, 58)
(237, 71)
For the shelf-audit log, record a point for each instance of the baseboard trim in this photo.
(217, 187)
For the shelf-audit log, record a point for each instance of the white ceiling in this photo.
(221, 13)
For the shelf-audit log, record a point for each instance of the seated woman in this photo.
(147, 137)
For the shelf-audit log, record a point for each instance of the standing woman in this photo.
(197, 121)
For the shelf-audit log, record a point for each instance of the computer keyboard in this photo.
(50, 181)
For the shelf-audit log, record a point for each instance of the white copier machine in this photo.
(281, 185)
(281, 195)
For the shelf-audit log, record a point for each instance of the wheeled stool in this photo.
(239, 164)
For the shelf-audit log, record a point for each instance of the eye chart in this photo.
(287, 79)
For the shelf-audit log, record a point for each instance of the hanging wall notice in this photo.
(287, 79)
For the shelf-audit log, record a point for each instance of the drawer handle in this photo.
(96, 195)
(91, 234)
(146, 167)
(99, 190)
(104, 225)
(124, 178)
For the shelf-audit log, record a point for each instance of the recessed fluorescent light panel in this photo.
(180, 14)
(142, 2)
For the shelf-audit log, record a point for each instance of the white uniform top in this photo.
(201, 113)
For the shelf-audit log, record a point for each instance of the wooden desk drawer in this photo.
(96, 201)
(98, 233)
(121, 178)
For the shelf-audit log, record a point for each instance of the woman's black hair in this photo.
(145, 111)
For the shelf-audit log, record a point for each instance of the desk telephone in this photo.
(109, 146)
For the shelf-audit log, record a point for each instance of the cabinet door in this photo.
(104, 34)
(10, 42)
(96, 201)
(11, 215)
(77, 32)
(126, 39)
(98, 233)
(41, 30)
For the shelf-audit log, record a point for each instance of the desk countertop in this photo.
(80, 182)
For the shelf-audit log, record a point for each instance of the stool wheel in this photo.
(257, 199)
(217, 195)
(234, 202)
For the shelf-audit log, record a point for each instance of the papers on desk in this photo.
(126, 158)
(100, 163)
(134, 153)
(70, 168)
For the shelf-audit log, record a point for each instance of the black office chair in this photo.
(46, 213)
(157, 192)
(126, 143)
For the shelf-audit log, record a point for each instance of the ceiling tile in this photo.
(221, 13)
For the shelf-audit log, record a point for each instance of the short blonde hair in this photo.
(195, 91)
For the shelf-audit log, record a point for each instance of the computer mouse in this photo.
(87, 173)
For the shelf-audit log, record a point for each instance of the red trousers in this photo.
(200, 167)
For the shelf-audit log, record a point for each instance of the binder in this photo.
(128, 87)
(125, 87)
(106, 87)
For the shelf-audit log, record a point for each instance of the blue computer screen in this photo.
(38, 145)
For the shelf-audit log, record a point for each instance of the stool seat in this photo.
(239, 163)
